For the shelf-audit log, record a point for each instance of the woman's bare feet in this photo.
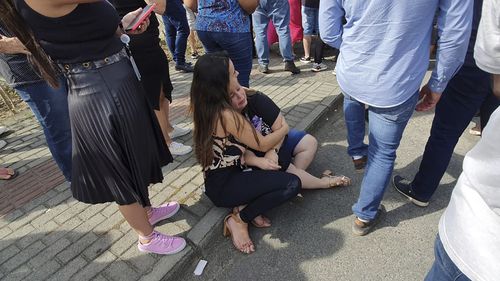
(238, 230)
(334, 181)
(261, 222)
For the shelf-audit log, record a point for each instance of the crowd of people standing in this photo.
(95, 87)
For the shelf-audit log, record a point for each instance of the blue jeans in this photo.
(278, 11)
(176, 30)
(386, 128)
(237, 45)
(467, 92)
(50, 107)
(443, 268)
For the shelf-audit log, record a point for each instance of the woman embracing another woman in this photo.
(221, 137)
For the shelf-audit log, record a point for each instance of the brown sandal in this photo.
(335, 181)
(227, 232)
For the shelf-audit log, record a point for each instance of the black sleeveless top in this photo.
(85, 34)
(227, 154)
(139, 43)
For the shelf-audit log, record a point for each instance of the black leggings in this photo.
(259, 190)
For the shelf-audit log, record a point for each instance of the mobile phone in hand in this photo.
(146, 11)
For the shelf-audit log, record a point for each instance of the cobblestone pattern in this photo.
(46, 235)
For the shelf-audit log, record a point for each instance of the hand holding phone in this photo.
(140, 18)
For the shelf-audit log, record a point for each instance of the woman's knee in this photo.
(307, 143)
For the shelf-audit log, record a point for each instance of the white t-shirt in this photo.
(470, 226)
(487, 48)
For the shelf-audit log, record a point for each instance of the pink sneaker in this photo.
(162, 244)
(162, 212)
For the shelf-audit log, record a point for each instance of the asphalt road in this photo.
(311, 237)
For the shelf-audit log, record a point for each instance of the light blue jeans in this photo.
(278, 11)
(386, 127)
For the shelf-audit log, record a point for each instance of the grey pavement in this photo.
(311, 237)
(51, 236)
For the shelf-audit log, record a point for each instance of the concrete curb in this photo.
(211, 223)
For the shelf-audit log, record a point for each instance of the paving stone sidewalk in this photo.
(47, 235)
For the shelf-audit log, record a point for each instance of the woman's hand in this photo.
(129, 18)
(272, 155)
(12, 45)
(266, 164)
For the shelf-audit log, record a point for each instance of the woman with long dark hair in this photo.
(107, 107)
(221, 135)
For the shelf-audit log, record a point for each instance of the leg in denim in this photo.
(443, 268)
(386, 129)
(280, 16)
(50, 107)
(260, 23)
(354, 116)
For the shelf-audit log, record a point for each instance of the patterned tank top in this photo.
(227, 153)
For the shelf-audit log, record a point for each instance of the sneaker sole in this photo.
(167, 216)
(181, 154)
(412, 200)
(167, 253)
(179, 135)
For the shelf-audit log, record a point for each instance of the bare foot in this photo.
(239, 234)
(335, 181)
(261, 221)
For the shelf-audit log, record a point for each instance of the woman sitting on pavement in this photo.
(293, 154)
(221, 135)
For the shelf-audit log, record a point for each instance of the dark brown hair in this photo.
(209, 98)
(15, 24)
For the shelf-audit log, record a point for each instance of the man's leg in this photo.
(50, 107)
(386, 129)
(354, 116)
(177, 17)
(280, 15)
(170, 36)
(459, 102)
(260, 23)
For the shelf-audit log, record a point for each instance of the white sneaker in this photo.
(2, 144)
(317, 67)
(334, 72)
(178, 132)
(179, 149)
(3, 129)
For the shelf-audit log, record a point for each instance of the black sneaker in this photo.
(305, 59)
(362, 228)
(404, 187)
(263, 68)
(186, 67)
(290, 66)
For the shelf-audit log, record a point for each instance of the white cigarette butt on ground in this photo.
(200, 267)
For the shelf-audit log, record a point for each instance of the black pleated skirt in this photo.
(118, 147)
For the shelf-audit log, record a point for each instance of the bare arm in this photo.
(245, 133)
(192, 5)
(261, 162)
(12, 45)
(249, 5)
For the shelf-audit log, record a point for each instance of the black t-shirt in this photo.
(262, 112)
(85, 34)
